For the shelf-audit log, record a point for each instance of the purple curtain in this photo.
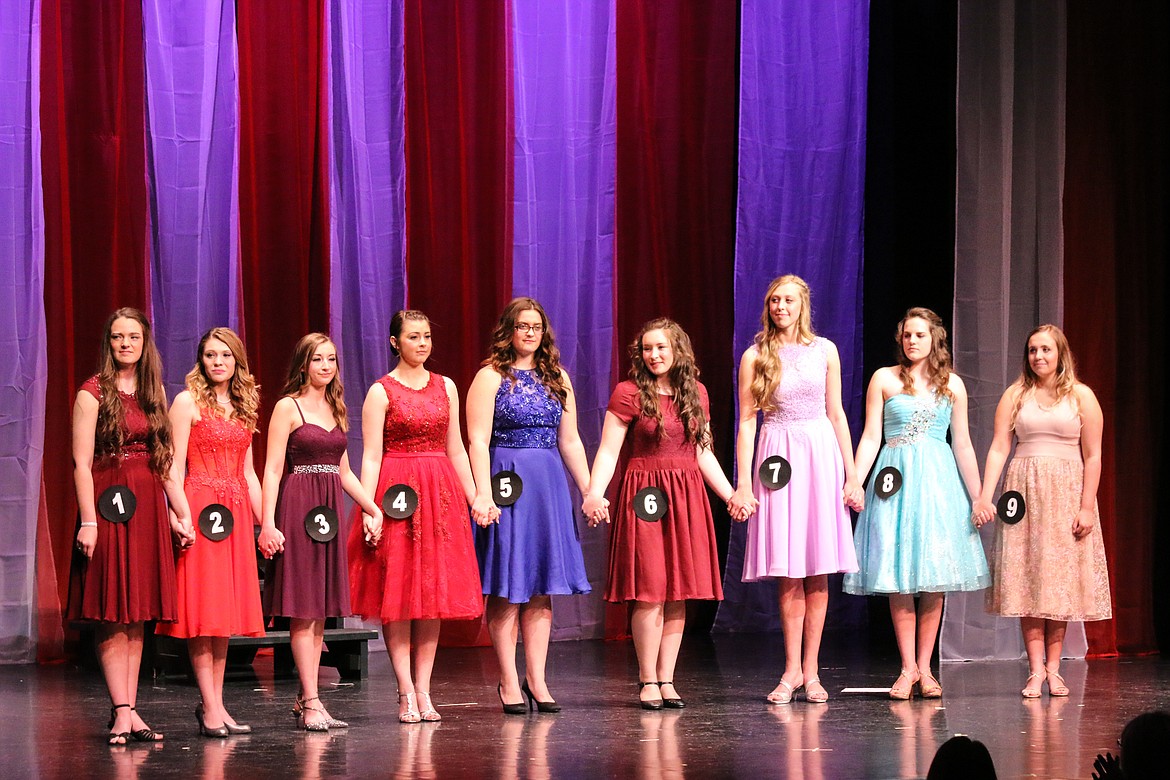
(193, 169)
(367, 191)
(564, 220)
(801, 185)
(23, 371)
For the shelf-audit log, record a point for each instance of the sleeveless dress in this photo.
(920, 539)
(802, 529)
(675, 557)
(131, 576)
(310, 579)
(534, 549)
(1040, 569)
(218, 582)
(424, 567)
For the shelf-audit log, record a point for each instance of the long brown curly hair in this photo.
(767, 365)
(242, 389)
(938, 362)
(298, 376)
(684, 380)
(547, 358)
(109, 435)
(1066, 370)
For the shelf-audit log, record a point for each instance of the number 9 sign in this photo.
(650, 504)
(1011, 507)
(216, 522)
(321, 523)
(399, 501)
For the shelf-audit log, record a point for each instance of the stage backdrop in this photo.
(312, 164)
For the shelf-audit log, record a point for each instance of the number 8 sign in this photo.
(887, 482)
(650, 504)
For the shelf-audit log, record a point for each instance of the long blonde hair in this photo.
(242, 389)
(297, 381)
(767, 367)
(938, 362)
(684, 380)
(1066, 370)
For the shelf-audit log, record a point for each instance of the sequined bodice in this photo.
(800, 396)
(526, 415)
(908, 419)
(416, 420)
(215, 455)
(134, 425)
(311, 445)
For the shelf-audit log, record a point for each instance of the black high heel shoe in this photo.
(117, 738)
(216, 733)
(541, 706)
(510, 709)
(650, 704)
(671, 704)
(145, 735)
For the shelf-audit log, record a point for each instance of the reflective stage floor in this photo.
(53, 718)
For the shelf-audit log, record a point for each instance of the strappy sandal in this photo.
(903, 694)
(1058, 690)
(931, 690)
(1033, 693)
(410, 714)
(302, 707)
(145, 735)
(785, 696)
(117, 738)
(427, 711)
(815, 697)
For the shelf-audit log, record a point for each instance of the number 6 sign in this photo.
(650, 504)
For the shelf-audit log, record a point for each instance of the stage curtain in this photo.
(1115, 201)
(458, 187)
(800, 209)
(284, 210)
(24, 372)
(94, 174)
(367, 192)
(564, 198)
(192, 111)
(675, 200)
(1008, 244)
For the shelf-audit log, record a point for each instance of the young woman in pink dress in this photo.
(411, 573)
(123, 573)
(659, 563)
(308, 580)
(218, 585)
(801, 532)
(1049, 567)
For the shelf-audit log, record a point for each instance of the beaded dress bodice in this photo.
(908, 419)
(800, 396)
(526, 415)
(416, 420)
(215, 455)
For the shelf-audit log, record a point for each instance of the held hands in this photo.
(372, 528)
(87, 540)
(853, 495)
(596, 509)
(1083, 523)
(271, 540)
(484, 510)
(183, 530)
(982, 512)
(742, 504)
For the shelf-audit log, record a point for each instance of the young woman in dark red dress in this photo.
(123, 573)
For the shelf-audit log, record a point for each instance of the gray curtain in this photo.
(1009, 244)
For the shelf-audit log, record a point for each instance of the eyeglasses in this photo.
(524, 327)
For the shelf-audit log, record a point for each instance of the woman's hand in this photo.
(183, 530)
(596, 509)
(372, 528)
(271, 540)
(742, 504)
(1083, 523)
(484, 510)
(853, 495)
(982, 512)
(87, 539)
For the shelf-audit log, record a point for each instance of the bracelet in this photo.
(89, 525)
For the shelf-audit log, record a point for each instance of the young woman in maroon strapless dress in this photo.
(308, 580)
(414, 572)
(123, 573)
(217, 581)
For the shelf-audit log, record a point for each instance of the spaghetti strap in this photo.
(302, 414)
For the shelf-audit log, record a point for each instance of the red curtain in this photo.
(284, 185)
(94, 158)
(1115, 280)
(676, 182)
(459, 186)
